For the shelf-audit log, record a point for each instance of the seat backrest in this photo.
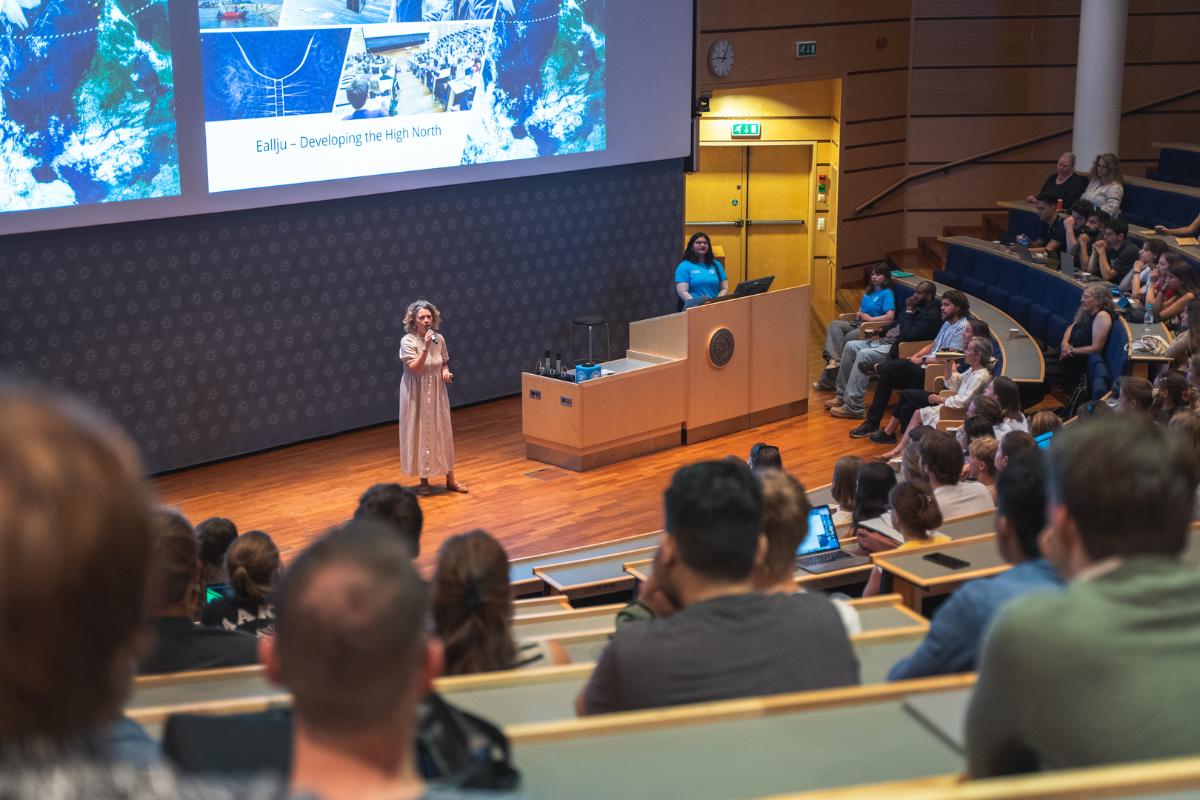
(960, 260)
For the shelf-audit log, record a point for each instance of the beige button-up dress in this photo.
(426, 439)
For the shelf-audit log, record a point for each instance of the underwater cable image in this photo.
(87, 103)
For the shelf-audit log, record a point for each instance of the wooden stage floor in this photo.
(296, 493)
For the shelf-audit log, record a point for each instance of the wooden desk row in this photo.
(526, 578)
(890, 632)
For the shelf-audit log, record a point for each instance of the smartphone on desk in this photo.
(949, 562)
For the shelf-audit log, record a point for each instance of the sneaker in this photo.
(868, 368)
(841, 412)
(836, 401)
(833, 363)
(864, 430)
(821, 386)
(882, 437)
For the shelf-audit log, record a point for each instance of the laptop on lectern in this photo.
(745, 289)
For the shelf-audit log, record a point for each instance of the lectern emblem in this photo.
(720, 347)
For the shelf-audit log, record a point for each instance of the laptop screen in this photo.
(822, 536)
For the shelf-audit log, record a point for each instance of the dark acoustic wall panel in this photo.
(207, 337)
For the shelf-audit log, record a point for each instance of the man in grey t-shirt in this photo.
(727, 640)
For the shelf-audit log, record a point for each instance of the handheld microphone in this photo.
(433, 339)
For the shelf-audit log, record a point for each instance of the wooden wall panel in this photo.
(919, 224)
(942, 139)
(769, 56)
(877, 131)
(1164, 37)
(874, 94)
(1021, 41)
(973, 8)
(857, 187)
(863, 241)
(727, 14)
(976, 186)
(856, 158)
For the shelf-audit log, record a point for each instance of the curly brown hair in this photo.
(410, 316)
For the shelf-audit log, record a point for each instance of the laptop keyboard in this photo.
(822, 558)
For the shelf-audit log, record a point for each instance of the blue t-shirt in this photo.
(876, 304)
(703, 280)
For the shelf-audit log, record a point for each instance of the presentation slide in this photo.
(303, 91)
(87, 103)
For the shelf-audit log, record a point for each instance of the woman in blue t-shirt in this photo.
(878, 305)
(699, 277)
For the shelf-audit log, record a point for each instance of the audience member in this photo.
(958, 626)
(1044, 422)
(943, 460)
(76, 530)
(764, 457)
(1011, 445)
(358, 92)
(785, 524)
(1064, 185)
(1008, 395)
(878, 304)
(974, 427)
(1135, 395)
(1179, 289)
(1087, 333)
(1185, 230)
(174, 574)
(253, 564)
(1193, 374)
(214, 534)
(1113, 257)
(919, 321)
(915, 515)
(911, 468)
(1103, 672)
(1185, 429)
(393, 505)
(350, 646)
(873, 530)
(1051, 233)
(1080, 237)
(981, 462)
(919, 407)
(473, 609)
(1106, 187)
(1152, 277)
(909, 373)
(727, 640)
(1135, 283)
(845, 482)
(1187, 343)
(1170, 393)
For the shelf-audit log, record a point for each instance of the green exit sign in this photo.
(806, 49)
(747, 130)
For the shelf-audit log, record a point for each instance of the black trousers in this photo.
(910, 401)
(893, 376)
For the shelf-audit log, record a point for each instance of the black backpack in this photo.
(453, 748)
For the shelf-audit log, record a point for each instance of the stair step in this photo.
(933, 248)
(963, 230)
(912, 260)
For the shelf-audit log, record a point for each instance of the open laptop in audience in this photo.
(821, 551)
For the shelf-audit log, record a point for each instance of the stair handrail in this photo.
(949, 165)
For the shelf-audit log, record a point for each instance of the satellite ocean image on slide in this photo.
(543, 82)
(87, 103)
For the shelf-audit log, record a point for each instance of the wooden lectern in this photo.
(710, 370)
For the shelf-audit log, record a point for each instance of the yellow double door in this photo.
(753, 203)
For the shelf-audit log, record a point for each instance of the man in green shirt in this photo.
(1105, 671)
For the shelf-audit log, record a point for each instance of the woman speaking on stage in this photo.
(426, 438)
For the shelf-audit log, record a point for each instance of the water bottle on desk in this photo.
(1148, 320)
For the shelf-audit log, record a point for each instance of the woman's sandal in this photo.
(424, 490)
(457, 487)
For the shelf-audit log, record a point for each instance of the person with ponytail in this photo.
(253, 564)
(473, 609)
(916, 515)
